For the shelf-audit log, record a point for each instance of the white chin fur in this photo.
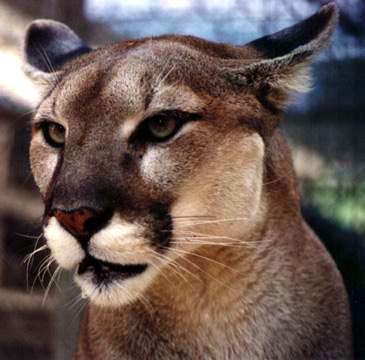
(64, 247)
(117, 293)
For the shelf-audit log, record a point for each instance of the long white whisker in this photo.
(188, 217)
(43, 269)
(176, 267)
(218, 221)
(48, 268)
(158, 268)
(29, 263)
(29, 256)
(190, 232)
(26, 236)
(197, 266)
(184, 240)
(53, 280)
(206, 258)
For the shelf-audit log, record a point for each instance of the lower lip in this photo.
(103, 272)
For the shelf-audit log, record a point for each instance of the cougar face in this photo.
(137, 163)
(148, 149)
(170, 192)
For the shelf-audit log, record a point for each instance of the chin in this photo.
(113, 285)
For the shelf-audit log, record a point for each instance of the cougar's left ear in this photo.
(284, 57)
(47, 46)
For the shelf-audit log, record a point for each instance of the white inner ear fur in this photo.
(42, 80)
(64, 247)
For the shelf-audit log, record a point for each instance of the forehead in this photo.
(150, 76)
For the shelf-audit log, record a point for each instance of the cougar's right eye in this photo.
(53, 133)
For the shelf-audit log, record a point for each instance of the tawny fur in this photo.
(243, 276)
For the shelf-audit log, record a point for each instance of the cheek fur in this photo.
(216, 192)
(43, 162)
(158, 167)
(168, 167)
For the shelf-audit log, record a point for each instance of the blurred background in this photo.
(326, 129)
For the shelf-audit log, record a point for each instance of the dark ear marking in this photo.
(318, 26)
(283, 65)
(49, 44)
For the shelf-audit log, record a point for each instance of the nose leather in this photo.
(80, 222)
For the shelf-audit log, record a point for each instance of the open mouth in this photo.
(105, 272)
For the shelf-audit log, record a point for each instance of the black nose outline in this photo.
(82, 222)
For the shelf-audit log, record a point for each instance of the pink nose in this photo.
(77, 222)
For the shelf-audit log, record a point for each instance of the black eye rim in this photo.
(44, 127)
(143, 134)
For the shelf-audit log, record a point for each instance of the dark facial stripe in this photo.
(162, 226)
(47, 199)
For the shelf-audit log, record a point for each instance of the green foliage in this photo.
(342, 200)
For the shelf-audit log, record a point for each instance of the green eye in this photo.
(162, 127)
(54, 134)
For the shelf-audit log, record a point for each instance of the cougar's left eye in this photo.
(162, 127)
(54, 133)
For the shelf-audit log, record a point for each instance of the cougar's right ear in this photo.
(47, 46)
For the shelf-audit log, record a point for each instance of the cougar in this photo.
(170, 192)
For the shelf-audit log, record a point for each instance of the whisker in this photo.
(143, 300)
(29, 256)
(48, 268)
(158, 268)
(43, 269)
(206, 258)
(218, 221)
(193, 217)
(30, 262)
(26, 236)
(175, 266)
(83, 303)
(201, 242)
(77, 307)
(197, 266)
(53, 280)
(76, 304)
(73, 302)
(200, 234)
